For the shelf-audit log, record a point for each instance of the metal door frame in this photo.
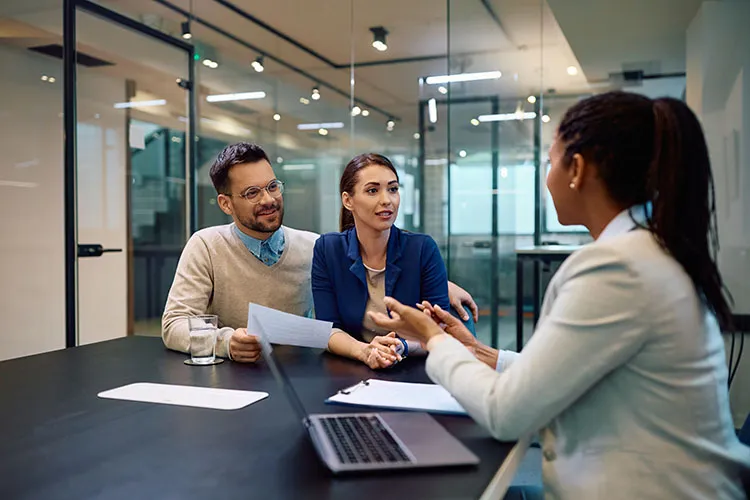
(70, 9)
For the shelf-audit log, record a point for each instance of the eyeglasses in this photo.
(254, 194)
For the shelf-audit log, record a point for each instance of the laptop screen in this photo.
(281, 377)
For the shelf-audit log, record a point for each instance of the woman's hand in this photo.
(409, 322)
(381, 352)
(449, 323)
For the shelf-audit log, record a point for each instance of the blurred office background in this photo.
(463, 95)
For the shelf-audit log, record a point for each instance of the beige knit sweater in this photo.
(217, 274)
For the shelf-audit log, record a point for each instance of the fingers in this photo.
(457, 306)
(444, 316)
(394, 305)
(246, 357)
(377, 358)
(387, 340)
(384, 321)
(474, 310)
(241, 337)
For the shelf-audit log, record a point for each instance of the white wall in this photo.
(32, 276)
(718, 89)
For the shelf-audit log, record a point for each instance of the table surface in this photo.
(59, 440)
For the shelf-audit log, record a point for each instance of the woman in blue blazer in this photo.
(369, 259)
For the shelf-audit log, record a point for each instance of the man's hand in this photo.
(381, 352)
(459, 298)
(243, 347)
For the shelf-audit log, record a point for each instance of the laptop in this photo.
(350, 442)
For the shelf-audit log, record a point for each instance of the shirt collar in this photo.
(626, 220)
(275, 242)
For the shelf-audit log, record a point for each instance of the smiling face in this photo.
(260, 217)
(375, 199)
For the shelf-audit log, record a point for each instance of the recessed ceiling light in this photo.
(356, 110)
(545, 118)
(323, 131)
(572, 70)
(531, 99)
(462, 153)
(474, 122)
(304, 101)
(442, 90)
(416, 135)
(258, 64)
(276, 117)
(365, 112)
(315, 93)
(279, 159)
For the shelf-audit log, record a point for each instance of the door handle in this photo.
(95, 250)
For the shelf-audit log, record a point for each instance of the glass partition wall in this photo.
(463, 96)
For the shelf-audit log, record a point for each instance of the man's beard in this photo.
(252, 223)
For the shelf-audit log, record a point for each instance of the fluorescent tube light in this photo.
(463, 77)
(140, 104)
(242, 96)
(432, 110)
(506, 117)
(315, 126)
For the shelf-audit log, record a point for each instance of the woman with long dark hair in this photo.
(354, 269)
(625, 376)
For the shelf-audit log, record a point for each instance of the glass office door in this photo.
(132, 96)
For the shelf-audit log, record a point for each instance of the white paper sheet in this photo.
(431, 398)
(288, 329)
(184, 395)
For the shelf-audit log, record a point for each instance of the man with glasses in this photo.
(254, 259)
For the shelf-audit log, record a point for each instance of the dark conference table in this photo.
(59, 440)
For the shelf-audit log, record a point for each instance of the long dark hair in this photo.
(350, 177)
(654, 151)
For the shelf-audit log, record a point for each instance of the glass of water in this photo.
(203, 330)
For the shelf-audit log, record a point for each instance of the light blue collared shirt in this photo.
(267, 251)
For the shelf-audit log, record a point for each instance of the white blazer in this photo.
(625, 378)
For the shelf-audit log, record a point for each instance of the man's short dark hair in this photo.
(234, 154)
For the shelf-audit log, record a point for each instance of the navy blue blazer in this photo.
(414, 272)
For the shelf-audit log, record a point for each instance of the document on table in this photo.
(185, 395)
(431, 398)
(288, 329)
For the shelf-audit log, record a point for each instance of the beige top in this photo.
(217, 274)
(375, 303)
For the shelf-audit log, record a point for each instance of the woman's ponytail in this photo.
(684, 207)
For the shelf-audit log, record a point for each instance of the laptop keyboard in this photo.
(362, 440)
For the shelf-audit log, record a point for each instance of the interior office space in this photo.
(462, 95)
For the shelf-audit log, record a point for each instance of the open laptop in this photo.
(348, 442)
